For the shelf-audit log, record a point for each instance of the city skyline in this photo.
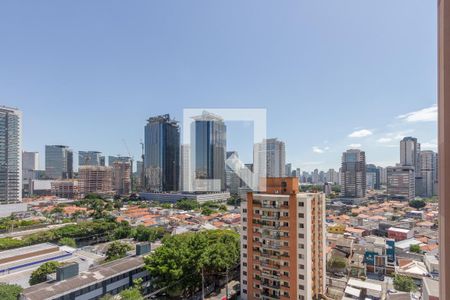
(107, 80)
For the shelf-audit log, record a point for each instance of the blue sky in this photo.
(89, 73)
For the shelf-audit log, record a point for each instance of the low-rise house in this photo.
(399, 234)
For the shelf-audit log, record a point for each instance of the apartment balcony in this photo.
(270, 218)
(257, 234)
(285, 278)
(256, 217)
(284, 218)
(270, 266)
(256, 204)
(257, 244)
(272, 246)
(267, 285)
(268, 296)
(284, 228)
(271, 206)
(285, 238)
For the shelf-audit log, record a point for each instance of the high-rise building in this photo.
(233, 180)
(332, 176)
(185, 168)
(372, 177)
(30, 161)
(113, 159)
(401, 182)
(315, 176)
(209, 152)
(383, 175)
(89, 158)
(283, 242)
(409, 152)
(269, 158)
(102, 160)
(10, 155)
(121, 177)
(410, 156)
(428, 172)
(162, 154)
(353, 174)
(30, 167)
(95, 179)
(288, 170)
(58, 162)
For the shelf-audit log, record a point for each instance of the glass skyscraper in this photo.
(162, 154)
(209, 151)
(10, 155)
(89, 158)
(58, 162)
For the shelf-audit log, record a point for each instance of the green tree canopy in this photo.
(187, 204)
(417, 204)
(40, 274)
(10, 291)
(68, 242)
(117, 250)
(179, 262)
(404, 283)
(415, 248)
(148, 234)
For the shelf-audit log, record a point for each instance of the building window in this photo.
(244, 291)
(301, 215)
(244, 210)
(302, 267)
(301, 225)
(302, 287)
(301, 235)
(244, 264)
(301, 204)
(244, 281)
(300, 256)
(301, 276)
(301, 246)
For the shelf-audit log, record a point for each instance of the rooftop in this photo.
(51, 289)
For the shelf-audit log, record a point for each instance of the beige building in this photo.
(95, 179)
(65, 189)
(283, 242)
(121, 177)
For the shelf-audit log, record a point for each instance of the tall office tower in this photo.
(321, 177)
(10, 155)
(315, 176)
(30, 165)
(185, 168)
(102, 160)
(95, 179)
(299, 174)
(288, 170)
(332, 176)
(410, 156)
(121, 177)
(353, 174)
(283, 242)
(409, 152)
(233, 181)
(162, 154)
(30, 161)
(269, 158)
(139, 175)
(209, 151)
(401, 182)
(372, 177)
(383, 175)
(89, 158)
(428, 173)
(58, 162)
(113, 159)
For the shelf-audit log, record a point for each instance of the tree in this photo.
(68, 242)
(117, 250)
(187, 204)
(415, 248)
(10, 291)
(146, 234)
(337, 262)
(122, 231)
(207, 211)
(417, 204)
(40, 274)
(179, 262)
(131, 294)
(404, 283)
